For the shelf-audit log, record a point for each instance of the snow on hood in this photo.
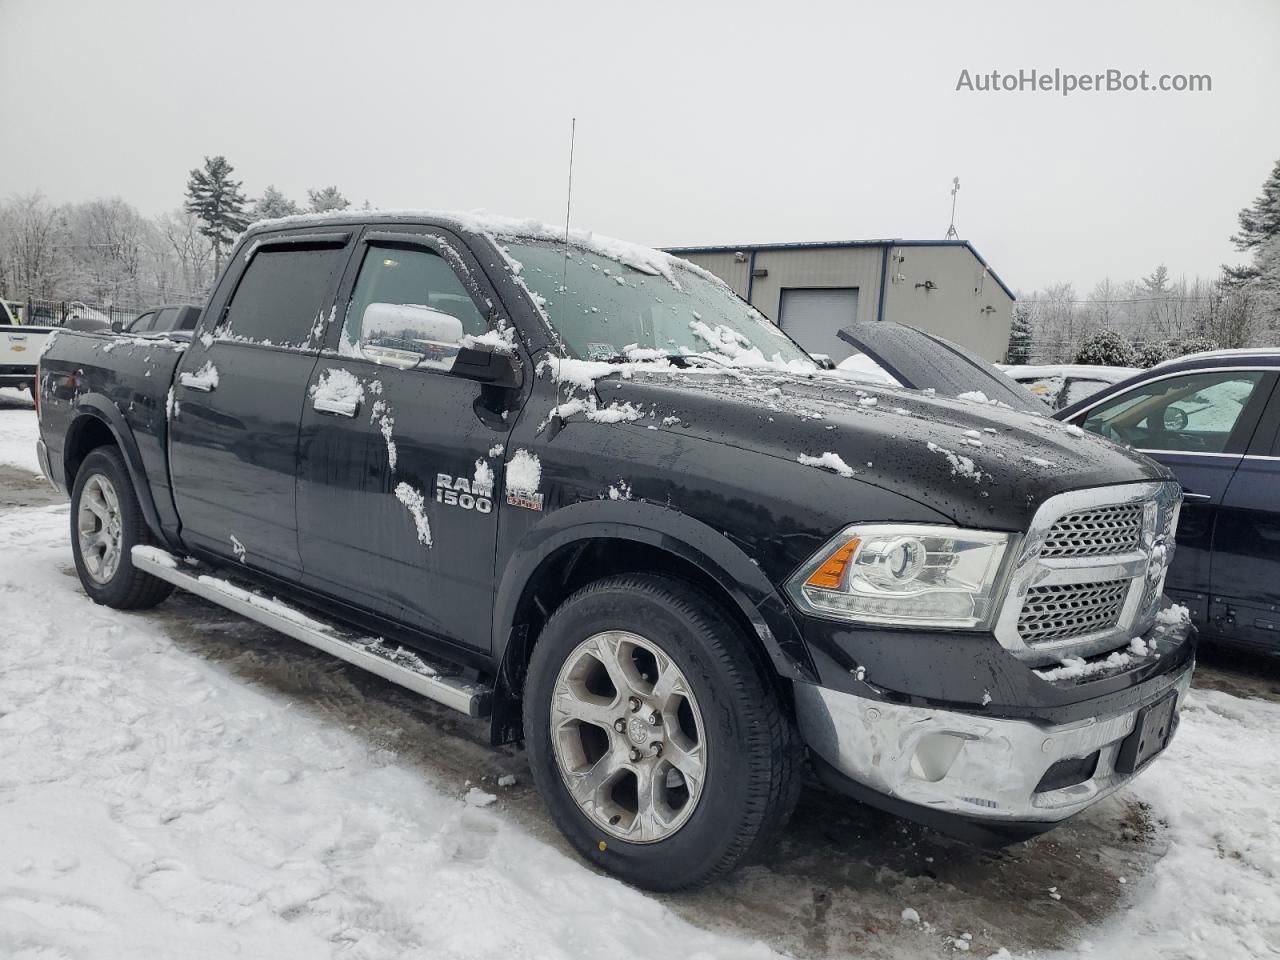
(981, 465)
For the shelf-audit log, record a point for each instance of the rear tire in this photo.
(643, 636)
(106, 524)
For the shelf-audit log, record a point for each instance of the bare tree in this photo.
(31, 256)
(192, 251)
(107, 247)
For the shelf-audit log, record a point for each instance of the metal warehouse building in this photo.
(814, 289)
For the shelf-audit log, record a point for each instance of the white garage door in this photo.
(813, 317)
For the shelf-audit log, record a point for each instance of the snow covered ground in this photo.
(18, 430)
(152, 805)
(182, 784)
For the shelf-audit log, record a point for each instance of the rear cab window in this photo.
(280, 298)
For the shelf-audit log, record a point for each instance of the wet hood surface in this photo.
(980, 464)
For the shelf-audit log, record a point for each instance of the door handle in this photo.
(335, 406)
(198, 381)
(1194, 497)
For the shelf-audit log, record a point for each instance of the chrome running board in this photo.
(394, 663)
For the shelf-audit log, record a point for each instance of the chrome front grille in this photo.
(1096, 532)
(1062, 611)
(1089, 575)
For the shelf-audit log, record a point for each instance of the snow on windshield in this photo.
(609, 311)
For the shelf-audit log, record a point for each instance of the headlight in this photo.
(904, 574)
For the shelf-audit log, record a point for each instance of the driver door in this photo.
(398, 453)
(1198, 424)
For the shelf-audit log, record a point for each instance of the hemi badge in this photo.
(530, 501)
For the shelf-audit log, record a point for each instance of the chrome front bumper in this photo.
(967, 764)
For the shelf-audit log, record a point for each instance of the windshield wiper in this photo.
(682, 360)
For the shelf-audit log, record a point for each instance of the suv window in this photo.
(165, 319)
(279, 298)
(408, 275)
(1194, 413)
(143, 323)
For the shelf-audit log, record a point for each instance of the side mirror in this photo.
(408, 335)
(1175, 419)
(486, 365)
(117, 326)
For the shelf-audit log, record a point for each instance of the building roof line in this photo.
(840, 244)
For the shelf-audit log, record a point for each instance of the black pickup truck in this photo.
(580, 488)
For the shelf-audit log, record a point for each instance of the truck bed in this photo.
(92, 381)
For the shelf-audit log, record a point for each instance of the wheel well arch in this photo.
(592, 556)
(98, 423)
(86, 433)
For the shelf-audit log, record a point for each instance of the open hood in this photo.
(922, 361)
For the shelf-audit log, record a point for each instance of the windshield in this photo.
(606, 310)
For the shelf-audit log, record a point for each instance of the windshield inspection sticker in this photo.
(602, 351)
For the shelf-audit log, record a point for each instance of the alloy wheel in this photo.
(628, 736)
(99, 526)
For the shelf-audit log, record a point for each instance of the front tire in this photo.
(664, 753)
(106, 524)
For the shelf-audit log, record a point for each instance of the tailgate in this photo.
(21, 346)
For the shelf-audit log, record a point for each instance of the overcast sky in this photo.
(697, 122)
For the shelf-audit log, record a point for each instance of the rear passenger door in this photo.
(238, 399)
(1245, 601)
(397, 506)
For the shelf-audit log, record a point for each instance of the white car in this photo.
(1062, 384)
(20, 348)
(862, 368)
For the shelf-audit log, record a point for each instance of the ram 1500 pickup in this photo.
(582, 489)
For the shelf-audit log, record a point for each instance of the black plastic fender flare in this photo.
(755, 597)
(93, 406)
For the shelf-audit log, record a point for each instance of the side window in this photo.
(281, 295)
(165, 319)
(408, 308)
(1078, 388)
(143, 324)
(1195, 413)
(1048, 389)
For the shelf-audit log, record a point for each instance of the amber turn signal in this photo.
(830, 575)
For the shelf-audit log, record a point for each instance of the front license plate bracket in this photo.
(1152, 729)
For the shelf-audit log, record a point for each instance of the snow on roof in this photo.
(1234, 352)
(645, 259)
(1089, 370)
(861, 367)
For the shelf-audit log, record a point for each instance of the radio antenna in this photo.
(564, 273)
(568, 207)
